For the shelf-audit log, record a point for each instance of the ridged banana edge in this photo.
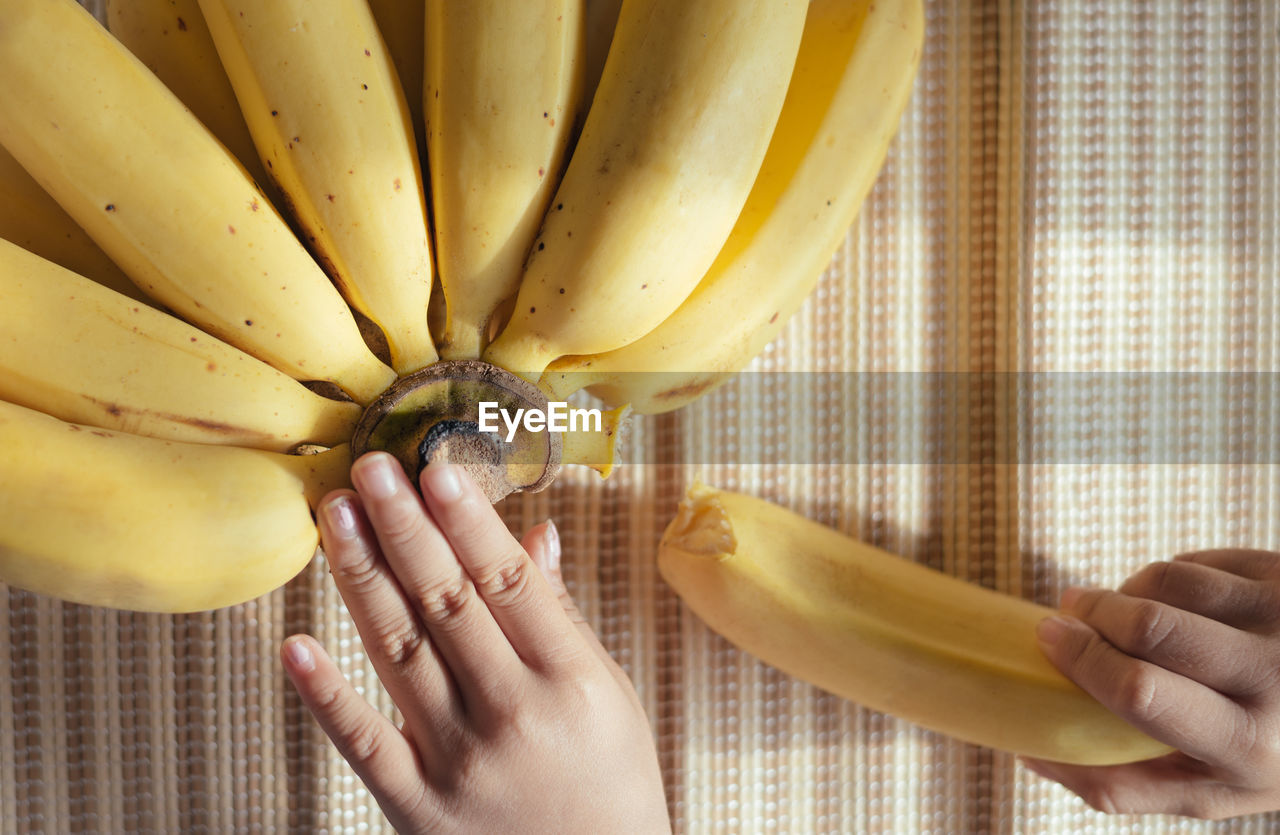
(883, 631)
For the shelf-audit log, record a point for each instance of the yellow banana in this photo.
(503, 85)
(402, 24)
(672, 142)
(883, 631)
(852, 79)
(165, 200)
(84, 353)
(33, 220)
(324, 105)
(110, 519)
(171, 38)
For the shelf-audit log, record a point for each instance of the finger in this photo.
(478, 655)
(1166, 706)
(407, 663)
(517, 594)
(1174, 785)
(379, 754)
(1205, 590)
(1246, 562)
(542, 543)
(1201, 649)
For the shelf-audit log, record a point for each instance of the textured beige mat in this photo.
(1078, 187)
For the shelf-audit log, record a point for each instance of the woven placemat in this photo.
(1079, 189)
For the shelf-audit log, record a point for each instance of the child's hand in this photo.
(1188, 651)
(516, 719)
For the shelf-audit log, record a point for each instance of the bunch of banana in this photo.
(138, 523)
(171, 38)
(33, 220)
(503, 82)
(883, 631)
(331, 123)
(708, 150)
(84, 353)
(672, 143)
(165, 200)
(851, 82)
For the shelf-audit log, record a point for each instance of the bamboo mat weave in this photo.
(1047, 353)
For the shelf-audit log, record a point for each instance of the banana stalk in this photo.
(331, 123)
(503, 86)
(84, 353)
(672, 143)
(165, 200)
(884, 632)
(117, 520)
(852, 80)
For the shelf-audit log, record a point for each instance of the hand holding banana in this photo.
(1187, 651)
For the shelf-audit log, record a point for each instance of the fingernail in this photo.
(1050, 630)
(551, 537)
(299, 655)
(340, 517)
(377, 477)
(1069, 597)
(442, 482)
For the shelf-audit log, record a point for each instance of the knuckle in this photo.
(399, 646)
(1152, 580)
(1087, 603)
(505, 583)
(1137, 692)
(356, 570)
(443, 605)
(362, 744)
(329, 701)
(1148, 629)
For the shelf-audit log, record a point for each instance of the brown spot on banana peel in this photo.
(688, 390)
(226, 430)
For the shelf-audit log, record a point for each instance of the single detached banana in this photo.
(84, 353)
(503, 86)
(324, 105)
(852, 79)
(33, 220)
(402, 24)
(111, 519)
(672, 142)
(165, 200)
(171, 38)
(883, 631)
